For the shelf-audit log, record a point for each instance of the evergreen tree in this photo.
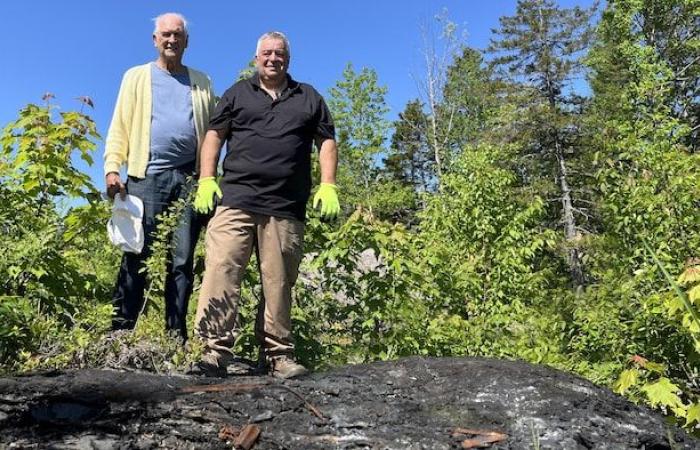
(539, 48)
(409, 160)
(467, 101)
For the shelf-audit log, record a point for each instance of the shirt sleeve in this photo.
(221, 118)
(325, 127)
(117, 142)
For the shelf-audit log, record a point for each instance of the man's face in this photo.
(272, 60)
(170, 38)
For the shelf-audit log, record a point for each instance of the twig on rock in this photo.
(227, 387)
(308, 405)
(479, 438)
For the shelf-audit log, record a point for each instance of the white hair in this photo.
(274, 35)
(157, 20)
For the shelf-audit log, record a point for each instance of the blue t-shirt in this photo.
(173, 135)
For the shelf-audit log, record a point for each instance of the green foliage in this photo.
(646, 197)
(540, 43)
(161, 248)
(47, 268)
(470, 97)
(366, 293)
(38, 172)
(37, 152)
(644, 168)
(650, 379)
(248, 71)
(409, 161)
(490, 237)
(539, 49)
(359, 109)
(14, 332)
(451, 242)
(87, 342)
(376, 290)
(488, 255)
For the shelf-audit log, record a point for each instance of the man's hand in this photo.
(328, 196)
(204, 199)
(114, 185)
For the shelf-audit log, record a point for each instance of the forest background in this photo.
(538, 200)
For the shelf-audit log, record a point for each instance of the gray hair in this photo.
(274, 35)
(157, 20)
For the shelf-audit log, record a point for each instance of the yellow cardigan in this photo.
(129, 136)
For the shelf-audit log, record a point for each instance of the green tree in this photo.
(49, 238)
(38, 173)
(670, 28)
(539, 48)
(409, 161)
(646, 171)
(359, 112)
(646, 174)
(470, 92)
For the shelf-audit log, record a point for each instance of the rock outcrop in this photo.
(413, 403)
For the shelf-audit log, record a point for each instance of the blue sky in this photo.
(75, 48)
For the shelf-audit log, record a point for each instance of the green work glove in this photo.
(204, 199)
(328, 196)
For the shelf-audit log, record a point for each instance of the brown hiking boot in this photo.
(284, 366)
(210, 365)
(207, 369)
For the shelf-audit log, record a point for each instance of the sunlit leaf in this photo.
(663, 392)
(627, 379)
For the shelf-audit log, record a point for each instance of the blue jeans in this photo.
(158, 192)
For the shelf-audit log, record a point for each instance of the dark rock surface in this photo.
(413, 403)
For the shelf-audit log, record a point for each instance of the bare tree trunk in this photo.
(568, 219)
(440, 119)
(573, 257)
(433, 92)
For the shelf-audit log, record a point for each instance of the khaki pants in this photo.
(231, 236)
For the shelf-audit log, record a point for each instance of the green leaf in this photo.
(627, 379)
(663, 392)
(655, 367)
(692, 414)
(694, 295)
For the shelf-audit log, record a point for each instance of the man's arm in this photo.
(117, 142)
(328, 159)
(327, 194)
(211, 147)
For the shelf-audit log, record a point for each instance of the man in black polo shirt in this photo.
(271, 123)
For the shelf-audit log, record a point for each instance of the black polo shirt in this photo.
(267, 169)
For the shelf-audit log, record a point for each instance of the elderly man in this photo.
(270, 122)
(158, 126)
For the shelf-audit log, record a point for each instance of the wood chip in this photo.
(479, 438)
(229, 433)
(247, 437)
